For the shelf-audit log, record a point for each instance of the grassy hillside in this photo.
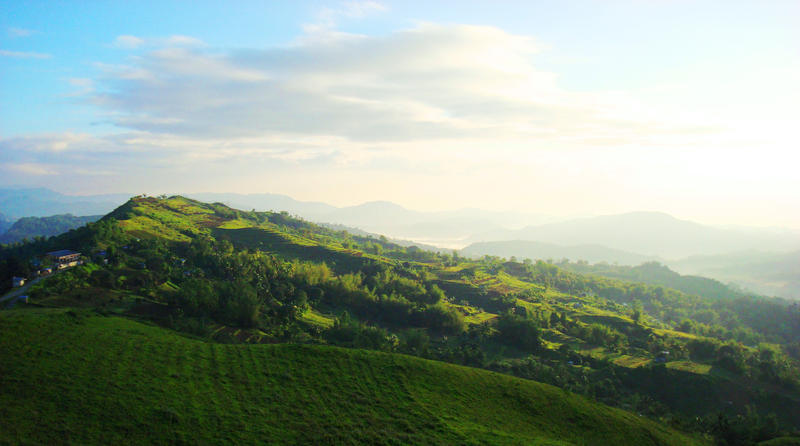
(78, 378)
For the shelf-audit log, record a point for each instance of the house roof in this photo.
(62, 253)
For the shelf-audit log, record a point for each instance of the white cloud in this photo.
(426, 83)
(178, 40)
(20, 32)
(32, 168)
(328, 18)
(128, 42)
(357, 9)
(133, 42)
(24, 54)
(82, 86)
(51, 143)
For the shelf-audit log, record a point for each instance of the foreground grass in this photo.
(77, 378)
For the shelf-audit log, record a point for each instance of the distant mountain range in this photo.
(40, 202)
(5, 223)
(769, 273)
(448, 229)
(30, 227)
(651, 234)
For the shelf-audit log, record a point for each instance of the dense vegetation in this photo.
(234, 276)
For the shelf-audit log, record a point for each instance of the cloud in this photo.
(431, 82)
(133, 42)
(24, 54)
(20, 32)
(352, 9)
(178, 40)
(82, 86)
(32, 169)
(328, 18)
(49, 144)
(127, 42)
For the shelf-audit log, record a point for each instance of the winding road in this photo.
(15, 292)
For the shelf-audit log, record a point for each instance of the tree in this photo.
(519, 332)
(636, 315)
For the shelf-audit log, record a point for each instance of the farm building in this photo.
(64, 256)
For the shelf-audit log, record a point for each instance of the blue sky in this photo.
(555, 107)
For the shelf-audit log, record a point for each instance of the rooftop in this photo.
(62, 252)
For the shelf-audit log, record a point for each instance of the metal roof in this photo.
(62, 253)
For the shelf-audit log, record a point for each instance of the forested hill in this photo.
(655, 273)
(31, 227)
(5, 223)
(721, 367)
(538, 250)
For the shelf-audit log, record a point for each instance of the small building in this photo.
(64, 256)
(23, 298)
(17, 282)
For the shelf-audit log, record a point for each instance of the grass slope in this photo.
(77, 378)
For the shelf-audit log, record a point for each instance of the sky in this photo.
(547, 107)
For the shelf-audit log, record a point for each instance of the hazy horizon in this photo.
(572, 109)
(535, 218)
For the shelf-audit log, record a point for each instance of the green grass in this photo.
(471, 314)
(782, 441)
(689, 366)
(70, 377)
(631, 361)
(675, 333)
(314, 317)
(294, 247)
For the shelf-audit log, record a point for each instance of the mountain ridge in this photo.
(654, 234)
